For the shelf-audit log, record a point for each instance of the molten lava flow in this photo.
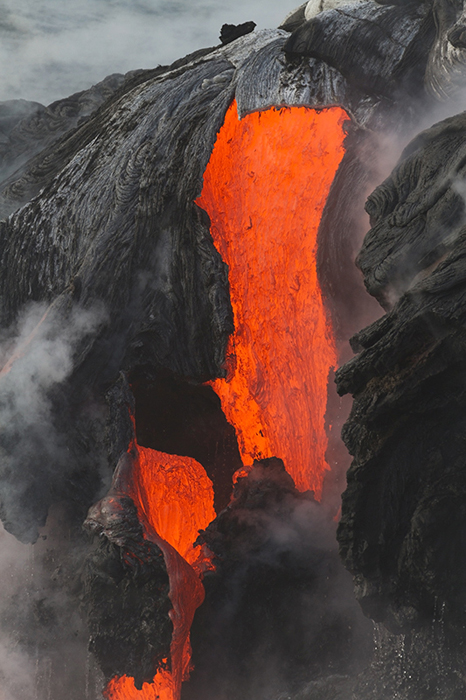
(265, 189)
(124, 689)
(175, 495)
(174, 499)
(186, 594)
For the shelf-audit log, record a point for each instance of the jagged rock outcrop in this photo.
(403, 522)
(417, 214)
(126, 590)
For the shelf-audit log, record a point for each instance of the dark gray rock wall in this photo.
(279, 609)
(369, 43)
(403, 524)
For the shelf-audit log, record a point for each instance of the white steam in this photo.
(36, 356)
(39, 355)
(50, 49)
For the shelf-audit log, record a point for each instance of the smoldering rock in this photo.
(102, 216)
(405, 27)
(276, 563)
(200, 280)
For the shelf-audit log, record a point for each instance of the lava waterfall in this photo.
(265, 189)
(178, 287)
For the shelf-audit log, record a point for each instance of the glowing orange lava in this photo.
(174, 497)
(265, 189)
(124, 688)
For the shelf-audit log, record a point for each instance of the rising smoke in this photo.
(38, 355)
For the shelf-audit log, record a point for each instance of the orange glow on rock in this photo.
(265, 189)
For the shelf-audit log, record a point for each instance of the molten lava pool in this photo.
(265, 188)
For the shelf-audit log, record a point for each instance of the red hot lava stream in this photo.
(265, 188)
(174, 498)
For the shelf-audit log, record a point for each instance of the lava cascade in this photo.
(265, 188)
(174, 498)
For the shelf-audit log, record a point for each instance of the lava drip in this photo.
(265, 188)
(174, 499)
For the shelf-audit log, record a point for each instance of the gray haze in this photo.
(52, 48)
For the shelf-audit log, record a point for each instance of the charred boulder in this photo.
(230, 32)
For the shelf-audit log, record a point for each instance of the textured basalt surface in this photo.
(382, 49)
(403, 524)
(26, 128)
(126, 589)
(114, 231)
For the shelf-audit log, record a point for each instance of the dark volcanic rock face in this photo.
(445, 75)
(126, 593)
(279, 609)
(418, 213)
(403, 526)
(110, 231)
(381, 49)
